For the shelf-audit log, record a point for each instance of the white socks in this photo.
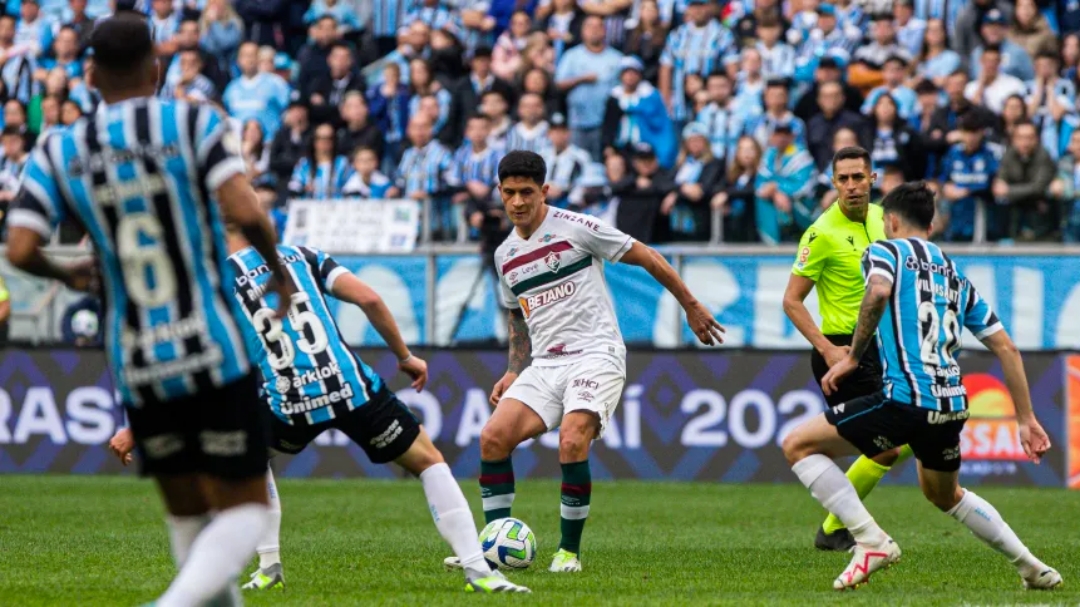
(182, 533)
(454, 519)
(217, 556)
(828, 484)
(270, 544)
(987, 525)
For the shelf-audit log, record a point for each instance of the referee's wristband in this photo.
(406, 359)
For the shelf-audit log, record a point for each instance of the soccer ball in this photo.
(508, 542)
(84, 323)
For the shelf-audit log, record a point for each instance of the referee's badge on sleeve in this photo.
(804, 255)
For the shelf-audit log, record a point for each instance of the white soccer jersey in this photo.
(556, 277)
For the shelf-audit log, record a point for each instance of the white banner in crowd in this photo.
(354, 226)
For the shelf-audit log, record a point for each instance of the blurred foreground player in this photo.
(551, 271)
(312, 382)
(927, 302)
(142, 176)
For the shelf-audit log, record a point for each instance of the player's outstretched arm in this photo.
(240, 206)
(704, 325)
(520, 348)
(1032, 435)
(878, 291)
(348, 287)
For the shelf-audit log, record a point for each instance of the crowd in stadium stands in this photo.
(651, 113)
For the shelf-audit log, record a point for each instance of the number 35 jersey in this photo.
(309, 374)
(138, 176)
(919, 334)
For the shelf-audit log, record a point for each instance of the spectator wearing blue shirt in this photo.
(366, 180)
(221, 31)
(192, 87)
(722, 120)
(895, 144)
(967, 175)
(1050, 101)
(1068, 16)
(777, 114)
(322, 172)
(695, 47)
(422, 83)
(255, 94)
(588, 72)
(1066, 188)
(937, 60)
(388, 103)
(164, 20)
(777, 57)
(894, 72)
(342, 12)
(427, 172)
(1015, 60)
(827, 39)
(909, 28)
(636, 114)
(784, 203)
(65, 55)
(35, 30)
(477, 165)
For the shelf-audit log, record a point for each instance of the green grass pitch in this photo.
(101, 541)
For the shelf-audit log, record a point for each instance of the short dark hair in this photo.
(896, 59)
(10, 131)
(340, 45)
(926, 87)
(122, 43)
(913, 202)
(1047, 53)
(479, 116)
(992, 48)
(971, 122)
(851, 152)
(522, 163)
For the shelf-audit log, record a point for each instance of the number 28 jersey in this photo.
(309, 374)
(919, 334)
(556, 278)
(139, 175)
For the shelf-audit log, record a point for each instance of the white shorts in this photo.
(594, 384)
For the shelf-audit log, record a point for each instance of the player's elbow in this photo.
(20, 252)
(879, 293)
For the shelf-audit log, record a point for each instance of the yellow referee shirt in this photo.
(830, 254)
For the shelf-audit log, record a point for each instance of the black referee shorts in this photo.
(865, 380)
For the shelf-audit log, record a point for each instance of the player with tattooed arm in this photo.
(551, 271)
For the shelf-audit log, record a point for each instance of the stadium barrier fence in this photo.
(441, 296)
(706, 416)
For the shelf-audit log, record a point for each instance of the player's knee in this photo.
(794, 448)
(495, 443)
(575, 435)
(943, 499)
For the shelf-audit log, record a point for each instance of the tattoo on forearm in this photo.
(873, 307)
(520, 344)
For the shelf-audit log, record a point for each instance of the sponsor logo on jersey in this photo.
(223, 444)
(547, 238)
(590, 384)
(588, 223)
(162, 446)
(552, 295)
(148, 338)
(948, 391)
(804, 255)
(253, 273)
(388, 437)
(559, 350)
(937, 417)
(915, 264)
(585, 396)
(310, 404)
(192, 363)
(310, 376)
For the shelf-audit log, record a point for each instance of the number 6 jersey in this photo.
(309, 374)
(139, 176)
(919, 334)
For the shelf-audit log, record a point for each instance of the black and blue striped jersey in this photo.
(919, 334)
(309, 374)
(139, 176)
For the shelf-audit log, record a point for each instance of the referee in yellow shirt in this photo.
(830, 259)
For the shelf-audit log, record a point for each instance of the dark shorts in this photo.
(875, 424)
(384, 428)
(223, 432)
(865, 380)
